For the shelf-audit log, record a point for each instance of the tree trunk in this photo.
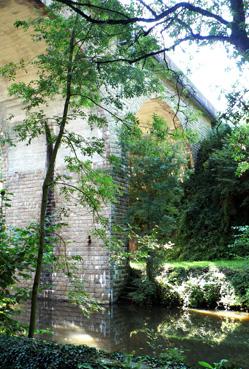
(44, 202)
(45, 190)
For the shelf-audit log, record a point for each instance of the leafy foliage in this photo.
(144, 290)
(203, 22)
(17, 262)
(238, 146)
(150, 253)
(204, 287)
(223, 364)
(16, 256)
(237, 111)
(148, 247)
(215, 200)
(28, 354)
(156, 162)
(240, 244)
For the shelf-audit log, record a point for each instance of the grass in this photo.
(229, 264)
(137, 265)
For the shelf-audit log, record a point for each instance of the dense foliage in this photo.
(214, 285)
(156, 160)
(175, 21)
(29, 354)
(215, 200)
(22, 353)
(16, 261)
(18, 247)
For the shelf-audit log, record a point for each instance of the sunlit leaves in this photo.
(94, 186)
(155, 166)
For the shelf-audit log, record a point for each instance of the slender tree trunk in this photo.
(45, 190)
(49, 217)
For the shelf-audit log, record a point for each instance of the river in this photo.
(198, 335)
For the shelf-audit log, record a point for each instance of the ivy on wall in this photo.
(215, 200)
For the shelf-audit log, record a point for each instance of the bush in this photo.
(169, 295)
(156, 159)
(145, 290)
(212, 287)
(24, 353)
(215, 201)
(240, 244)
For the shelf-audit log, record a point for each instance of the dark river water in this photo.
(199, 335)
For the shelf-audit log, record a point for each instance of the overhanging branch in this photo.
(77, 6)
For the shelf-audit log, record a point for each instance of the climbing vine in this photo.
(215, 199)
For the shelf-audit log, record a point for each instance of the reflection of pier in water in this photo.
(109, 329)
(202, 335)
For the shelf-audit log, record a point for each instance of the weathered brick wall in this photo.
(93, 270)
(24, 171)
(26, 189)
(24, 168)
(118, 267)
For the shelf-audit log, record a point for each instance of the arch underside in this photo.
(162, 109)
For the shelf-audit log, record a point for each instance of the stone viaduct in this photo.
(23, 166)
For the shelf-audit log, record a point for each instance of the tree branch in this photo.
(148, 8)
(237, 33)
(239, 36)
(197, 37)
(76, 6)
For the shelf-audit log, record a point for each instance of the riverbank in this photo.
(221, 284)
(24, 353)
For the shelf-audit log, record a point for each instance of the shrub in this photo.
(169, 296)
(211, 287)
(156, 161)
(240, 244)
(23, 353)
(145, 290)
(215, 200)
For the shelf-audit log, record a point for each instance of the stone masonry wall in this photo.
(93, 270)
(23, 169)
(23, 174)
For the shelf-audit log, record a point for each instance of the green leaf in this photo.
(205, 364)
(85, 366)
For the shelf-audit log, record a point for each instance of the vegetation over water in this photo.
(212, 225)
(203, 216)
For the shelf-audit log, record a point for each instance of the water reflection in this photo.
(129, 328)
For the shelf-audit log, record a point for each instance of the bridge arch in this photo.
(156, 106)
